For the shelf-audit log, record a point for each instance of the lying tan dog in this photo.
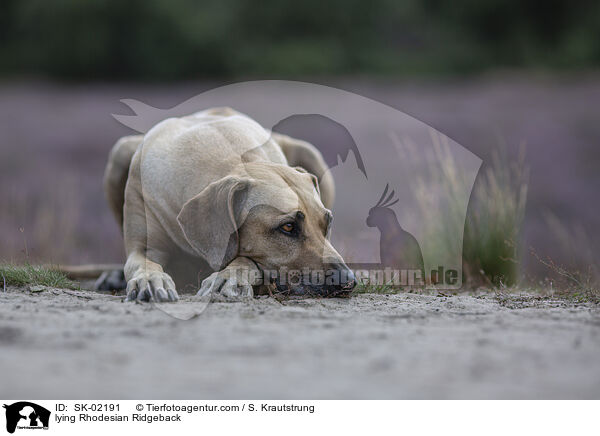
(215, 198)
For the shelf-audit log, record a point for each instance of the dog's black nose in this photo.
(345, 277)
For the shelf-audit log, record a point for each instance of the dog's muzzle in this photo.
(336, 281)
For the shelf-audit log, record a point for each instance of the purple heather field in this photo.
(55, 139)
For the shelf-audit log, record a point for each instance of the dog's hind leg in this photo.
(115, 180)
(305, 155)
(112, 280)
(117, 170)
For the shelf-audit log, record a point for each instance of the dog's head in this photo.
(272, 214)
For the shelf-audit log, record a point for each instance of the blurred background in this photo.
(496, 76)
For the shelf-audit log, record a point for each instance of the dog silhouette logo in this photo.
(26, 415)
(398, 248)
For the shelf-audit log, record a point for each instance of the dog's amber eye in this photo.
(287, 227)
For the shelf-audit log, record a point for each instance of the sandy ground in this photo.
(80, 344)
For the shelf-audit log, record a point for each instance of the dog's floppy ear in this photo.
(210, 220)
(315, 179)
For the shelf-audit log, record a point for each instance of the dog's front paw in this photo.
(229, 283)
(151, 286)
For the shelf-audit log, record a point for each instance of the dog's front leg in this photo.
(236, 280)
(147, 281)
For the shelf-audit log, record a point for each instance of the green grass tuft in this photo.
(366, 288)
(22, 275)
